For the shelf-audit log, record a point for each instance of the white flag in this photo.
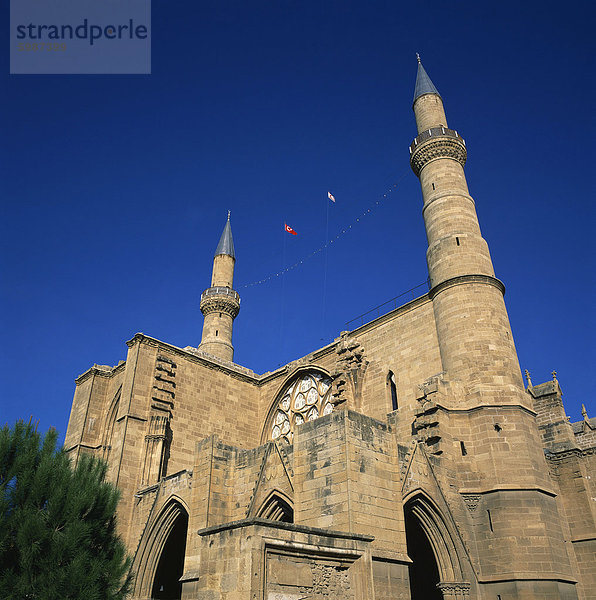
(330, 196)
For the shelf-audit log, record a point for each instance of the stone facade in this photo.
(405, 460)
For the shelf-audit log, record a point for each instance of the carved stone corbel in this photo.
(348, 375)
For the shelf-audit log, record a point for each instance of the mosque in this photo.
(405, 460)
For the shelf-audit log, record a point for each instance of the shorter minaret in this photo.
(220, 303)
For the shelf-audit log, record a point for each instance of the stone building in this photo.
(404, 460)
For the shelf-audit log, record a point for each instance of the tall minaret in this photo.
(220, 303)
(481, 396)
(475, 338)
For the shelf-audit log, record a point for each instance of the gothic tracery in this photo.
(304, 399)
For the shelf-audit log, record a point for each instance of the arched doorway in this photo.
(166, 584)
(159, 561)
(437, 570)
(424, 571)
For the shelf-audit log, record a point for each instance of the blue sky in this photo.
(115, 189)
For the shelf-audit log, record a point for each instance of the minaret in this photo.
(220, 303)
(475, 338)
(482, 396)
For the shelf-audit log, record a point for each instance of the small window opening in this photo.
(433, 186)
(490, 520)
(393, 389)
(216, 333)
(498, 428)
(457, 241)
(463, 449)
(220, 315)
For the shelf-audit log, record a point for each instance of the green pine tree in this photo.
(58, 536)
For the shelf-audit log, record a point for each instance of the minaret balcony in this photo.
(220, 299)
(436, 142)
(220, 290)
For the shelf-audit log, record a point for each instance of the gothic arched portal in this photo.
(424, 572)
(159, 562)
(437, 570)
(166, 584)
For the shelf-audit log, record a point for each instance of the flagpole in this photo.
(325, 271)
(283, 281)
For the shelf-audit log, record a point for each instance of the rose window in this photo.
(305, 399)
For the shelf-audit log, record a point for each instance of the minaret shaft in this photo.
(223, 271)
(429, 112)
(474, 334)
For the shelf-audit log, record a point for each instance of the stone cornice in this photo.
(249, 376)
(570, 453)
(438, 196)
(478, 407)
(198, 357)
(100, 371)
(525, 576)
(464, 279)
(507, 488)
(329, 533)
(218, 364)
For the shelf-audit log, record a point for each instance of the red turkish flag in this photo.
(289, 229)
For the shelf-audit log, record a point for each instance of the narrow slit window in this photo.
(392, 389)
(433, 186)
(216, 332)
(457, 241)
(464, 452)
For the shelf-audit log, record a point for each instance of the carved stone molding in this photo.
(164, 384)
(471, 501)
(224, 304)
(157, 449)
(438, 148)
(350, 367)
(454, 590)
(426, 422)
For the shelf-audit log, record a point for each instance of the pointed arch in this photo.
(109, 424)
(435, 527)
(172, 518)
(392, 390)
(277, 507)
(443, 547)
(291, 417)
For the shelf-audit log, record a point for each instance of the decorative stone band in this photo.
(454, 590)
(434, 132)
(223, 300)
(439, 146)
(463, 279)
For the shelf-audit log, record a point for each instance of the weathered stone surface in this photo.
(492, 477)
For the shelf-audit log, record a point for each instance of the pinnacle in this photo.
(226, 242)
(423, 83)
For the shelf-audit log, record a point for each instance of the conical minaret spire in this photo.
(423, 83)
(226, 242)
(220, 304)
(428, 104)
